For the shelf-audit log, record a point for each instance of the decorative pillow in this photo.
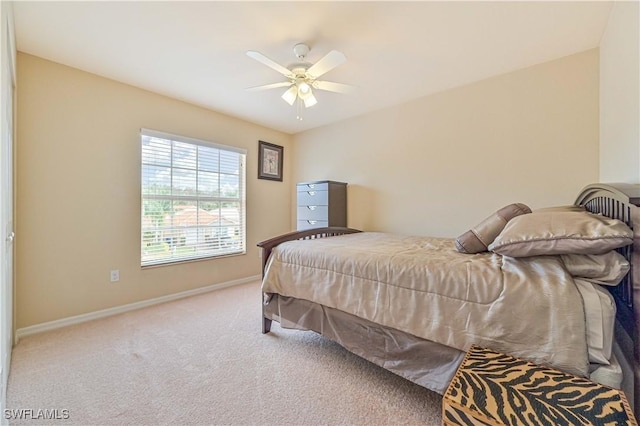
(480, 236)
(605, 269)
(549, 233)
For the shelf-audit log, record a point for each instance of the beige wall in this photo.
(434, 166)
(78, 192)
(620, 95)
(442, 163)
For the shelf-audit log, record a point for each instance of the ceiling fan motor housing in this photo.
(299, 69)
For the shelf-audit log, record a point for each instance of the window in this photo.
(193, 199)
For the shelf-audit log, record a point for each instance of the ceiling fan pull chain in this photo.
(299, 109)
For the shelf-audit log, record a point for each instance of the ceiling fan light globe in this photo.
(290, 95)
(303, 89)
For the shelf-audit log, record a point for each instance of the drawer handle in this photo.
(312, 222)
(312, 207)
(312, 193)
(311, 185)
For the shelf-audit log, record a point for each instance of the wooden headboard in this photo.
(622, 201)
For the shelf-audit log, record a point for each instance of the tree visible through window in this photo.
(193, 199)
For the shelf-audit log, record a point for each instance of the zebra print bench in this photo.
(491, 388)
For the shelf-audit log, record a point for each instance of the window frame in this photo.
(197, 198)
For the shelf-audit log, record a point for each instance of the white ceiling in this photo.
(396, 51)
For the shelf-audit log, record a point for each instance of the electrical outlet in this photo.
(115, 275)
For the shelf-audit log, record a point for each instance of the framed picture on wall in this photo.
(270, 161)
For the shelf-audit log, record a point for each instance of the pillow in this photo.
(600, 317)
(605, 269)
(549, 233)
(479, 237)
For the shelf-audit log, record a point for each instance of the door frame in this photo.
(7, 192)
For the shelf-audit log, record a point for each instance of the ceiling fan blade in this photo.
(326, 64)
(268, 86)
(268, 62)
(330, 86)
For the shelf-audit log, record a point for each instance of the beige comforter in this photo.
(528, 307)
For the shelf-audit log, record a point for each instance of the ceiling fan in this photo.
(302, 77)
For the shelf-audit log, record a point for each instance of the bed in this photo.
(417, 315)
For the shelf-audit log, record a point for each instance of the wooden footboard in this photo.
(309, 234)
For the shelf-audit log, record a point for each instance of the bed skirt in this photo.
(428, 364)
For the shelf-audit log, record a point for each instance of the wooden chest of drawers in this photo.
(321, 203)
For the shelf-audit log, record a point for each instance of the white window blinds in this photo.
(193, 199)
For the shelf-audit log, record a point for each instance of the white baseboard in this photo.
(77, 319)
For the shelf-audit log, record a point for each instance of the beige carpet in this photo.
(203, 360)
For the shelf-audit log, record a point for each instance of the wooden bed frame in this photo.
(622, 201)
(619, 201)
(309, 234)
